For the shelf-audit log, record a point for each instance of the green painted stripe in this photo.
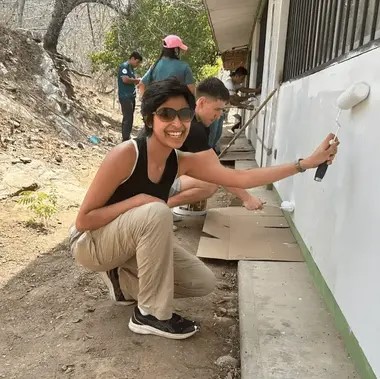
(352, 345)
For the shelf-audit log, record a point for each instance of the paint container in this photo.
(194, 209)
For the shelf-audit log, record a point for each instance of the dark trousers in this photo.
(128, 108)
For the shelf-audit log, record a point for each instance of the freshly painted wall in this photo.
(339, 218)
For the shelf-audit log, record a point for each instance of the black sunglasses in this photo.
(169, 114)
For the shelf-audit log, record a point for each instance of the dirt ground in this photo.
(56, 320)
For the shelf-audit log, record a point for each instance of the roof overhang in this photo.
(232, 22)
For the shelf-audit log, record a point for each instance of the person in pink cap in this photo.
(172, 41)
(169, 65)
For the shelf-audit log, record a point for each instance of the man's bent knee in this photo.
(210, 189)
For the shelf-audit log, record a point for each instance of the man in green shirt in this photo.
(127, 82)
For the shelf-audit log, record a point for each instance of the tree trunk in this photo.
(20, 12)
(60, 12)
(90, 24)
(62, 8)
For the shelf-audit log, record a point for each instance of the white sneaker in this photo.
(176, 218)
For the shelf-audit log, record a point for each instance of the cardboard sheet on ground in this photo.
(240, 234)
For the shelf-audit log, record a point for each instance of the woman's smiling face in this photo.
(172, 133)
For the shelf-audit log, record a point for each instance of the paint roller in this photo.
(347, 100)
(288, 206)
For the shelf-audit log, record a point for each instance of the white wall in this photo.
(339, 218)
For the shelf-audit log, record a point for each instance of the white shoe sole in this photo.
(176, 218)
(180, 211)
(146, 329)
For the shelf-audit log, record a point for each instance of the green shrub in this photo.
(42, 204)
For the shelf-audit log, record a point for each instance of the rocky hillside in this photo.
(39, 125)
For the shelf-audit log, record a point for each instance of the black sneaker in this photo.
(177, 328)
(111, 279)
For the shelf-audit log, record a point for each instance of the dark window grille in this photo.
(321, 31)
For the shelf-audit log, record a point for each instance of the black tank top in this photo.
(138, 182)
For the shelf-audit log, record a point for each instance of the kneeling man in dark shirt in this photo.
(211, 98)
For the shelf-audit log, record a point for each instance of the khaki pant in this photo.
(151, 270)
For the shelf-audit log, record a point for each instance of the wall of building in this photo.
(339, 218)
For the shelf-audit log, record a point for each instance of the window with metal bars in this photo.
(323, 31)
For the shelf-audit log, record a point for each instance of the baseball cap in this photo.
(171, 41)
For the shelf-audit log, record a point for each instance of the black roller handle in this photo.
(321, 171)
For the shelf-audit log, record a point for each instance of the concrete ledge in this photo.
(251, 364)
(351, 343)
(286, 331)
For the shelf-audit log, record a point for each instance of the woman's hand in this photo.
(253, 203)
(325, 152)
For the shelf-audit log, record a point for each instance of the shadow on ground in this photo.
(57, 322)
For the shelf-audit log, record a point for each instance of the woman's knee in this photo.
(148, 214)
(159, 213)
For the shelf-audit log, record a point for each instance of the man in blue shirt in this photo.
(127, 82)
